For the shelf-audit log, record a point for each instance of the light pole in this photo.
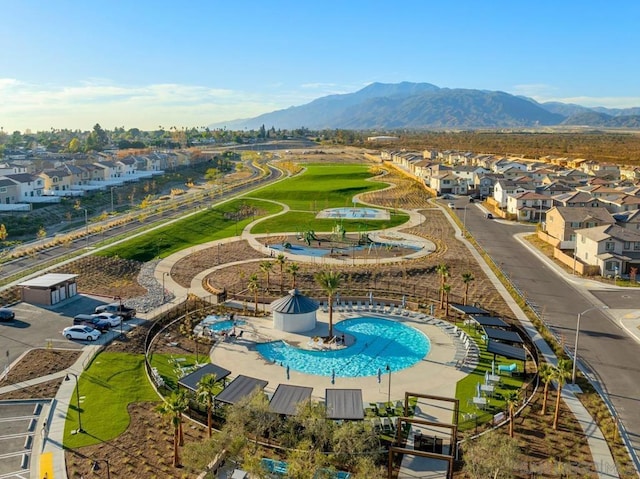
(388, 369)
(67, 378)
(575, 348)
(112, 198)
(86, 226)
(96, 466)
(164, 274)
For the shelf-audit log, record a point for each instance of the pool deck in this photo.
(434, 374)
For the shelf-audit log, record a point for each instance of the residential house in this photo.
(504, 188)
(562, 222)
(29, 186)
(528, 206)
(617, 203)
(614, 250)
(9, 191)
(628, 219)
(576, 198)
(56, 180)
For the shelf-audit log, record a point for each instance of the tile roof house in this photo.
(562, 222)
(614, 250)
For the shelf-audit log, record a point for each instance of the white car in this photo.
(113, 319)
(452, 206)
(84, 333)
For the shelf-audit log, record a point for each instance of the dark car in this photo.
(7, 315)
(88, 320)
(116, 308)
(489, 216)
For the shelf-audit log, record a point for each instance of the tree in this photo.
(266, 267)
(329, 281)
(443, 270)
(97, 139)
(293, 269)
(352, 440)
(466, 279)
(74, 145)
(42, 233)
(281, 260)
(493, 455)
(173, 407)
(546, 374)
(205, 392)
(254, 287)
(3, 232)
(561, 373)
(446, 289)
(511, 398)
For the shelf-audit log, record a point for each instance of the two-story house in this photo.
(614, 250)
(562, 222)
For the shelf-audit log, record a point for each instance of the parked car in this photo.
(489, 216)
(116, 308)
(451, 205)
(89, 320)
(113, 319)
(7, 314)
(84, 333)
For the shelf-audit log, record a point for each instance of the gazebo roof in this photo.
(294, 303)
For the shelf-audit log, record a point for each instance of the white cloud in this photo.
(80, 106)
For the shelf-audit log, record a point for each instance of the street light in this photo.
(95, 466)
(164, 274)
(67, 378)
(388, 369)
(575, 348)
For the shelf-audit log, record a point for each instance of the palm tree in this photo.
(329, 281)
(466, 279)
(173, 407)
(545, 373)
(280, 260)
(561, 373)
(205, 392)
(254, 287)
(446, 289)
(511, 398)
(293, 269)
(266, 267)
(443, 270)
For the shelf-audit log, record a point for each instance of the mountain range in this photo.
(382, 106)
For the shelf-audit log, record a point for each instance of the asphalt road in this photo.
(604, 346)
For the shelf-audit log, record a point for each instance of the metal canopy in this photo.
(344, 404)
(503, 335)
(190, 381)
(507, 351)
(466, 309)
(240, 387)
(286, 398)
(490, 321)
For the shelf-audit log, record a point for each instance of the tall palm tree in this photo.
(546, 374)
(205, 392)
(446, 289)
(466, 279)
(562, 372)
(280, 261)
(293, 269)
(443, 270)
(266, 267)
(512, 398)
(329, 281)
(254, 287)
(173, 407)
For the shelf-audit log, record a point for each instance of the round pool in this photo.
(378, 343)
(225, 325)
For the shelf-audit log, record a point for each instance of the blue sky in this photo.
(137, 63)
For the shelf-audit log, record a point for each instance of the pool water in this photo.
(378, 343)
(225, 325)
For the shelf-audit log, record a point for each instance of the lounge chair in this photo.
(509, 369)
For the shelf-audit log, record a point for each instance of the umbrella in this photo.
(478, 390)
(404, 301)
(486, 377)
(288, 375)
(493, 368)
(370, 297)
(333, 376)
(379, 375)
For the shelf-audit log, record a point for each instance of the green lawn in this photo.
(112, 381)
(321, 186)
(167, 366)
(208, 225)
(466, 388)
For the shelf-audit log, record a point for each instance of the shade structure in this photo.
(503, 335)
(490, 321)
(344, 404)
(190, 381)
(286, 398)
(239, 388)
(507, 350)
(294, 313)
(470, 310)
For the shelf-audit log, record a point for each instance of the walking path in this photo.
(51, 460)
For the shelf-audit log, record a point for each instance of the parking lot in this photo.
(39, 326)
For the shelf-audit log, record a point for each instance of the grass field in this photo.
(107, 387)
(208, 225)
(166, 365)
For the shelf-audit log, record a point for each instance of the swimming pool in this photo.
(225, 324)
(378, 343)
